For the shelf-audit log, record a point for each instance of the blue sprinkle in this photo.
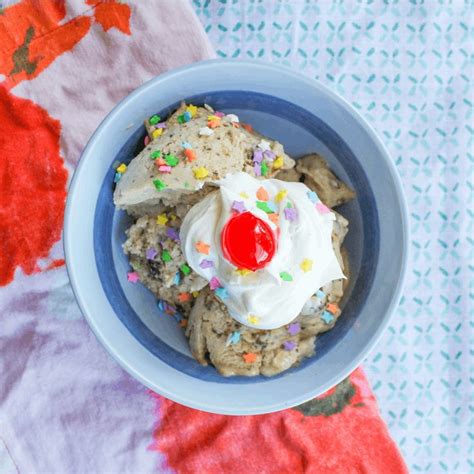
(233, 338)
(320, 294)
(177, 279)
(187, 116)
(221, 293)
(313, 197)
(161, 305)
(177, 317)
(327, 317)
(272, 206)
(117, 177)
(186, 145)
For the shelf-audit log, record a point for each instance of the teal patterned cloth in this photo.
(407, 67)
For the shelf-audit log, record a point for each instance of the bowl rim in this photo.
(108, 344)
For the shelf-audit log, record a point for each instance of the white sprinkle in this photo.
(232, 118)
(206, 131)
(264, 145)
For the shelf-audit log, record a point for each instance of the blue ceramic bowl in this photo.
(304, 116)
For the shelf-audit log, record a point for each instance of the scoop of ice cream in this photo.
(264, 246)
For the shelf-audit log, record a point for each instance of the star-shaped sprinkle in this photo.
(133, 277)
(205, 263)
(159, 185)
(278, 163)
(243, 271)
(173, 234)
(154, 119)
(257, 156)
(202, 247)
(306, 265)
(162, 219)
(166, 256)
(312, 196)
(201, 172)
(249, 357)
(252, 319)
(122, 168)
(333, 308)
(185, 269)
(171, 160)
(222, 293)
(289, 345)
(239, 206)
(281, 195)
(322, 209)
(192, 109)
(285, 276)
(157, 133)
(214, 123)
(214, 283)
(294, 329)
(234, 338)
(151, 253)
(190, 155)
(264, 145)
(183, 297)
(327, 317)
(262, 194)
(291, 214)
(155, 154)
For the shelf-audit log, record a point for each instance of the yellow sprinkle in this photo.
(195, 294)
(192, 109)
(278, 163)
(252, 319)
(306, 265)
(244, 195)
(213, 117)
(173, 217)
(281, 195)
(162, 219)
(156, 133)
(201, 172)
(122, 168)
(243, 271)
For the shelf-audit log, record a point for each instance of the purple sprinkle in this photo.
(289, 345)
(205, 263)
(269, 155)
(239, 206)
(291, 213)
(219, 114)
(214, 283)
(257, 155)
(161, 125)
(172, 234)
(294, 329)
(151, 253)
(257, 169)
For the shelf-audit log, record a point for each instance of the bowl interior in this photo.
(301, 133)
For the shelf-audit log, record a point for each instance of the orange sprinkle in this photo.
(275, 218)
(184, 297)
(160, 162)
(183, 323)
(213, 123)
(332, 308)
(236, 124)
(190, 154)
(250, 357)
(247, 127)
(201, 247)
(262, 194)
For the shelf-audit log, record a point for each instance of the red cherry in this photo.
(248, 242)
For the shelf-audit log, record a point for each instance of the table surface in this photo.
(408, 69)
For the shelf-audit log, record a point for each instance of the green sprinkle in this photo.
(185, 269)
(154, 119)
(186, 184)
(165, 256)
(159, 184)
(156, 154)
(285, 276)
(181, 119)
(264, 169)
(171, 160)
(264, 207)
(288, 205)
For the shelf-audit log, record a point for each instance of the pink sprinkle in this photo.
(219, 114)
(147, 140)
(132, 277)
(164, 169)
(294, 328)
(322, 208)
(214, 283)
